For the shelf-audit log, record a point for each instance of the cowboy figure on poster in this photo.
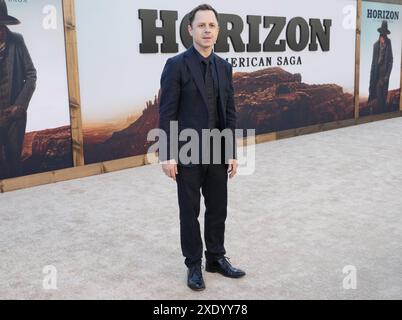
(17, 85)
(381, 68)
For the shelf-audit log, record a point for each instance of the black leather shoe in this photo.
(194, 278)
(224, 267)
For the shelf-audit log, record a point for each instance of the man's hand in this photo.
(11, 113)
(233, 166)
(17, 112)
(170, 168)
(383, 81)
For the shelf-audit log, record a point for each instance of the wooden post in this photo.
(357, 58)
(73, 83)
(400, 95)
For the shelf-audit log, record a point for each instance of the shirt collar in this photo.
(211, 57)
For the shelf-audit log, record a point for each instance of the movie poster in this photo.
(293, 64)
(35, 133)
(380, 62)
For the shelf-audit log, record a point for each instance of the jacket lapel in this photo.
(195, 69)
(221, 79)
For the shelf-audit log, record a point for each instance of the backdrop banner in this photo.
(35, 133)
(380, 61)
(293, 64)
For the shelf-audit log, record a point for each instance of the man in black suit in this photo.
(197, 94)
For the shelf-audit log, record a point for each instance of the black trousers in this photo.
(212, 180)
(11, 144)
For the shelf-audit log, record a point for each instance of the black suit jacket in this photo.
(184, 99)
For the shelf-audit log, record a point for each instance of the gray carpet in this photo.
(314, 205)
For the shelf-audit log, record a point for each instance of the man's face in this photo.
(205, 29)
(2, 32)
(382, 39)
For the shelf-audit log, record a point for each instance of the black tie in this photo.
(209, 86)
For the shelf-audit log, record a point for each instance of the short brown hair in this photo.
(202, 7)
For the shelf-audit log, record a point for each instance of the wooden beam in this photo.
(262, 138)
(357, 58)
(73, 82)
(379, 117)
(400, 95)
(50, 177)
(27, 181)
(127, 163)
